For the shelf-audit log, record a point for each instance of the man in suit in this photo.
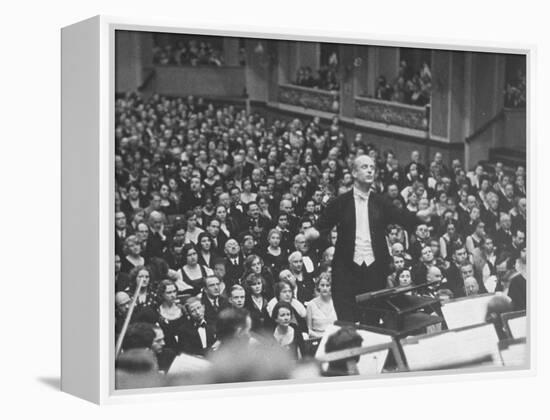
(121, 231)
(212, 300)
(361, 258)
(234, 263)
(196, 336)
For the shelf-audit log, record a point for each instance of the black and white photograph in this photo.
(293, 209)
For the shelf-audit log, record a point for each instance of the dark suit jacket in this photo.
(190, 341)
(211, 313)
(340, 212)
(454, 281)
(233, 273)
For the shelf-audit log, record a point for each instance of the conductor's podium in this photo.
(404, 311)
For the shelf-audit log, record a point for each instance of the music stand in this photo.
(513, 352)
(471, 346)
(466, 311)
(402, 312)
(515, 324)
(376, 348)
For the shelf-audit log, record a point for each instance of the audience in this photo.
(212, 202)
(187, 52)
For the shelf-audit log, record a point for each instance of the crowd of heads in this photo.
(211, 207)
(187, 52)
(410, 86)
(325, 79)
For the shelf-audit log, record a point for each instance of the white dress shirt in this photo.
(363, 246)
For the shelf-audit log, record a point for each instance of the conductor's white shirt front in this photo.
(363, 245)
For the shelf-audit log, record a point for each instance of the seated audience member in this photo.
(256, 303)
(234, 263)
(196, 336)
(287, 334)
(122, 280)
(425, 262)
(236, 296)
(320, 311)
(516, 245)
(141, 283)
(122, 304)
(484, 259)
(404, 277)
(132, 254)
(192, 274)
(474, 240)
(253, 264)
(304, 281)
(455, 281)
(344, 338)
(275, 257)
(206, 254)
(285, 292)
(192, 231)
(471, 288)
(212, 299)
(397, 264)
(503, 235)
(170, 313)
(467, 270)
(309, 257)
(156, 239)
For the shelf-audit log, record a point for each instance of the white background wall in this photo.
(30, 174)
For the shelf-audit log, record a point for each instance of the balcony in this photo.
(309, 98)
(392, 113)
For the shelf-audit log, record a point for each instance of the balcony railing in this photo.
(320, 100)
(392, 113)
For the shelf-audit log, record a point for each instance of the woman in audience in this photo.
(404, 277)
(474, 240)
(247, 195)
(256, 302)
(284, 291)
(193, 231)
(167, 205)
(320, 311)
(132, 258)
(253, 264)
(228, 226)
(206, 254)
(447, 240)
(275, 257)
(286, 333)
(171, 313)
(140, 279)
(192, 274)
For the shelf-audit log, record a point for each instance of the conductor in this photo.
(361, 260)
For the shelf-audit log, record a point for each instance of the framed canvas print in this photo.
(251, 210)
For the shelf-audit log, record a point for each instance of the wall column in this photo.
(231, 51)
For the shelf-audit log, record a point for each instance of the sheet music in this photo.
(518, 327)
(452, 348)
(185, 364)
(369, 363)
(465, 312)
